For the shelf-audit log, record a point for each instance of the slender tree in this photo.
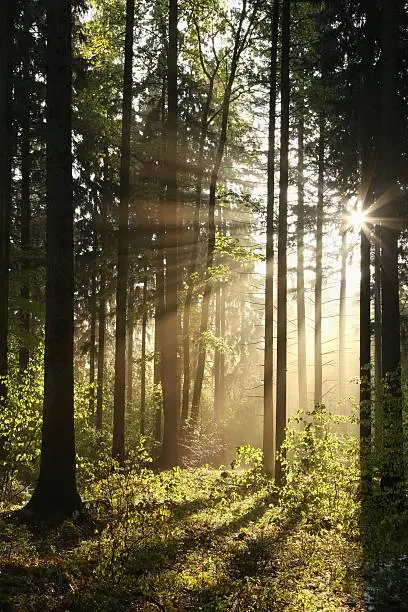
(342, 310)
(268, 428)
(318, 366)
(118, 444)
(300, 269)
(56, 494)
(6, 38)
(281, 359)
(102, 299)
(170, 327)
(25, 205)
(392, 468)
(143, 360)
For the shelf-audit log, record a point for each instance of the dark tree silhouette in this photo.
(268, 427)
(281, 357)
(7, 10)
(56, 494)
(118, 443)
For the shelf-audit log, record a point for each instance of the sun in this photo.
(357, 219)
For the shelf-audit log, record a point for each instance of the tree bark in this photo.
(7, 9)
(378, 417)
(318, 367)
(392, 469)
(281, 357)
(342, 314)
(92, 338)
(300, 270)
(118, 443)
(268, 426)
(130, 330)
(56, 494)
(24, 353)
(143, 361)
(102, 301)
(169, 456)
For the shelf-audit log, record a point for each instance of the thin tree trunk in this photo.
(56, 492)
(392, 469)
(102, 303)
(342, 315)
(300, 270)
(281, 361)
(6, 42)
(318, 367)
(92, 339)
(118, 443)
(24, 354)
(143, 361)
(378, 417)
(365, 247)
(217, 355)
(130, 330)
(170, 362)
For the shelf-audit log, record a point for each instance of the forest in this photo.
(203, 305)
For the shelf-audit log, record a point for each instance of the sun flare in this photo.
(357, 219)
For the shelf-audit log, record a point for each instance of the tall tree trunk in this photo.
(143, 361)
(300, 270)
(102, 302)
(367, 167)
(24, 353)
(281, 356)
(157, 389)
(268, 426)
(130, 330)
(118, 443)
(392, 470)
(92, 338)
(239, 45)
(56, 493)
(318, 366)
(378, 416)
(217, 355)
(342, 314)
(170, 363)
(7, 8)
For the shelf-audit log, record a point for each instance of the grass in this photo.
(201, 539)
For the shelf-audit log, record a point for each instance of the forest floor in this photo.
(201, 539)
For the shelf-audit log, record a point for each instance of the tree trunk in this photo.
(157, 388)
(130, 330)
(56, 493)
(342, 315)
(7, 9)
(92, 339)
(24, 354)
(143, 361)
(318, 367)
(118, 443)
(392, 469)
(281, 357)
(300, 270)
(378, 417)
(102, 302)
(217, 355)
(366, 187)
(170, 363)
(268, 426)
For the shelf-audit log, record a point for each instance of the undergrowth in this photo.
(202, 538)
